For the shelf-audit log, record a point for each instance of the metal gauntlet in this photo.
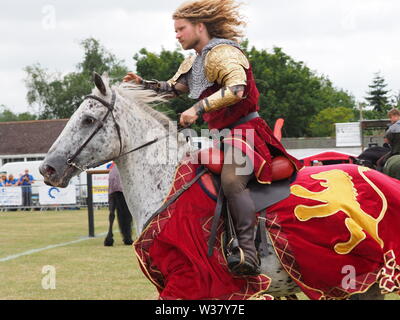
(162, 87)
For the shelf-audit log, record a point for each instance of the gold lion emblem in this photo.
(341, 195)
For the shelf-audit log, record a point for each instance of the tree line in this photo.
(309, 103)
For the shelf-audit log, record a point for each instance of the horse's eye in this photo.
(88, 121)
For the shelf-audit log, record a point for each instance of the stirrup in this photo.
(242, 267)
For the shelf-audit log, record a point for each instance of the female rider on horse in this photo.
(220, 77)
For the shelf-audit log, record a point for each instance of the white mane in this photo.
(136, 94)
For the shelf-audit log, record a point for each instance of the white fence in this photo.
(41, 197)
(11, 196)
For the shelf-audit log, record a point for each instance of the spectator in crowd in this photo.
(391, 138)
(3, 180)
(26, 182)
(394, 115)
(12, 182)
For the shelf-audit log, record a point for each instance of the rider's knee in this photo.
(233, 184)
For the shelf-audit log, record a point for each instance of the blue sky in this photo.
(348, 41)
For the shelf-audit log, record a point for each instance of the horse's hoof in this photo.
(108, 242)
(128, 242)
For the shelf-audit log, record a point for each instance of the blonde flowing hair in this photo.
(221, 17)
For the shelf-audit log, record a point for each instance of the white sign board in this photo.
(100, 188)
(11, 196)
(348, 134)
(52, 195)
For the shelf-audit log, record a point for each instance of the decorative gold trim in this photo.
(259, 173)
(389, 282)
(357, 220)
(290, 271)
(145, 269)
(361, 170)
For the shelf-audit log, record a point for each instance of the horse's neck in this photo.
(147, 175)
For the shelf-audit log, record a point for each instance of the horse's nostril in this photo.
(47, 170)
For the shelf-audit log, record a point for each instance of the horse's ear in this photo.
(98, 81)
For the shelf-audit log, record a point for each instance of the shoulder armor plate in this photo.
(184, 68)
(222, 59)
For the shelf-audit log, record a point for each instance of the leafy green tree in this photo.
(373, 115)
(396, 99)
(6, 115)
(378, 95)
(290, 90)
(57, 96)
(323, 124)
(160, 66)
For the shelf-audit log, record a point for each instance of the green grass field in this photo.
(84, 270)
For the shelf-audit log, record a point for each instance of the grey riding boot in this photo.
(243, 262)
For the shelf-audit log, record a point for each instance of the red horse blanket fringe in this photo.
(331, 248)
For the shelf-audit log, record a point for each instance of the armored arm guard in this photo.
(225, 65)
(161, 87)
(176, 84)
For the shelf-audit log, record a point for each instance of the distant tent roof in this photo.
(29, 137)
(329, 156)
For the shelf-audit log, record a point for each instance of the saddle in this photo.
(264, 196)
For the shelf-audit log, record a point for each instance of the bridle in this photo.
(100, 124)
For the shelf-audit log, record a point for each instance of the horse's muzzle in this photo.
(55, 172)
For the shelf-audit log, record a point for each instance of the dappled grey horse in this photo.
(114, 121)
